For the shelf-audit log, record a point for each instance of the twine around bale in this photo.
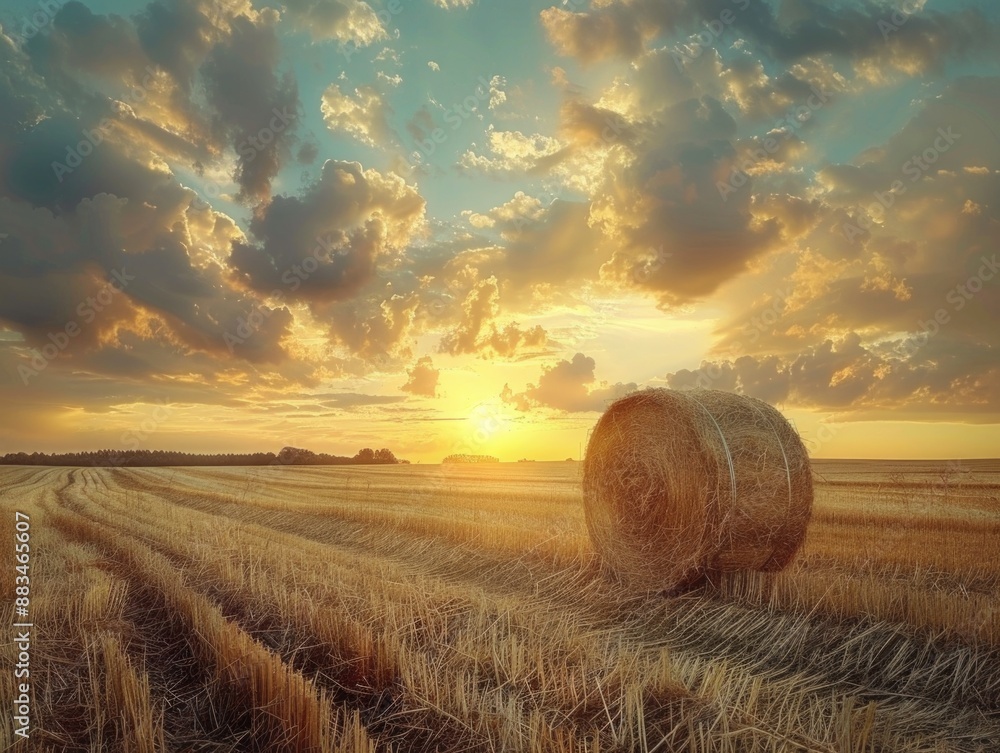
(725, 445)
(784, 456)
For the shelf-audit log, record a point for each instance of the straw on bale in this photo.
(677, 484)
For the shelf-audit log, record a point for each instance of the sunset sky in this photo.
(466, 225)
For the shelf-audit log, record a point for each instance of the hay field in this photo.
(460, 608)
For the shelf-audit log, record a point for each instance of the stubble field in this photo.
(428, 608)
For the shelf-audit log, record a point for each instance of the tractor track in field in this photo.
(902, 669)
(160, 644)
(392, 723)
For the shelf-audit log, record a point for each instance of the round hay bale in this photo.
(678, 484)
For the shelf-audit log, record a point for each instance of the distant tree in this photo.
(295, 456)
(146, 458)
(385, 456)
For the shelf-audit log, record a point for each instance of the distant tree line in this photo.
(470, 459)
(149, 458)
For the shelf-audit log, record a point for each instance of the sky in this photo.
(446, 226)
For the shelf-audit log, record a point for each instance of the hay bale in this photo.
(677, 484)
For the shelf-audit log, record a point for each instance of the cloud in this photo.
(569, 386)
(546, 249)
(200, 87)
(255, 107)
(613, 29)
(882, 242)
(363, 116)
(346, 273)
(479, 221)
(478, 333)
(114, 210)
(352, 400)
(372, 325)
(80, 40)
(510, 152)
(153, 63)
(346, 21)
(937, 378)
(177, 35)
(660, 200)
(498, 95)
(325, 244)
(131, 274)
(393, 81)
(421, 124)
(451, 4)
(307, 153)
(863, 33)
(422, 379)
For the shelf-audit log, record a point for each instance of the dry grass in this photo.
(407, 608)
